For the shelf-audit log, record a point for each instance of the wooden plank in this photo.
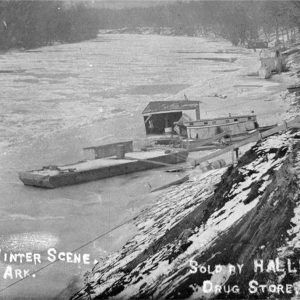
(179, 156)
(109, 149)
(210, 140)
(148, 118)
(255, 137)
(149, 161)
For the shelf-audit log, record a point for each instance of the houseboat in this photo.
(175, 127)
(234, 126)
(180, 121)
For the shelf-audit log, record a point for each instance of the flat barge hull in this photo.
(100, 168)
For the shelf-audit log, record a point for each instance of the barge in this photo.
(110, 160)
(173, 129)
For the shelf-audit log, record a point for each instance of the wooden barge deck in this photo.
(95, 169)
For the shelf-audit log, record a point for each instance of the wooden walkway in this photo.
(253, 138)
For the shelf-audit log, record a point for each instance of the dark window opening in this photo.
(158, 122)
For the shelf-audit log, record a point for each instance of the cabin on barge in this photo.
(182, 118)
(208, 128)
(160, 116)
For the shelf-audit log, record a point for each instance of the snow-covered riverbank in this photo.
(211, 220)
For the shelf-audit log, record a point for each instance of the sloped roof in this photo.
(164, 106)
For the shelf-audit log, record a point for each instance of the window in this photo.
(205, 123)
(214, 122)
(249, 118)
(227, 121)
(235, 120)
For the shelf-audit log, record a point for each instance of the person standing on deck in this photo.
(151, 126)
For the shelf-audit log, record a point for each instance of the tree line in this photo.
(237, 21)
(30, 24)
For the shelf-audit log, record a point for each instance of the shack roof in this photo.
(168, 106)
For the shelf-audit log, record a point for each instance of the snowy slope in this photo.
(213, 225)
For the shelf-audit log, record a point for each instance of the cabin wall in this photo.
(109, 149)
(250, 125)
(222, 121)
(210, 132)
(190, 114)
(201, 133)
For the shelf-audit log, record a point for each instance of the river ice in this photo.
(56, 100)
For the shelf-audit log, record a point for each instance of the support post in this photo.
(198, 112)
(236, 153)
(232, 157)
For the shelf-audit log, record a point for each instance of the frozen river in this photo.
(56, 100)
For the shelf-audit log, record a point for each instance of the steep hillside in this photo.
(215, 220)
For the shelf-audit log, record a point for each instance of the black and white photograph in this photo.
(149, 149)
